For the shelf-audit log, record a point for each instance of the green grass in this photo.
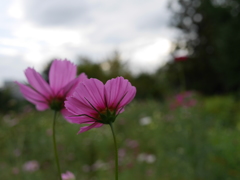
(196, 143)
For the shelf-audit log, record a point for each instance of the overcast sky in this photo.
(32, 32)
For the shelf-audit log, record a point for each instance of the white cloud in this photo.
(15, 10)
(37, 31)
(146, 54)
(10, 69)
(8, 51)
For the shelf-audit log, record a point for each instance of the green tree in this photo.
(109, 68)
(210, 35)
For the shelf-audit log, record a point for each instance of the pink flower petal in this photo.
(71, 86)
(60, 74)
(79, 119)
(119, 90)
(92, 91)
(129, 96)
(41, 106)
(72, 118)
(65, 112)
(38, 83)
(77, 107)
(34, 97)
(86, 128)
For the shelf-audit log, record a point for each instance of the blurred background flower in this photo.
(31, 166)
(68, 176)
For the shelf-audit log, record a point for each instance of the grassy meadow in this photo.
(156, 140)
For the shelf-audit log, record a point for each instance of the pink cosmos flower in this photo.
(62, 82)
(97, 104)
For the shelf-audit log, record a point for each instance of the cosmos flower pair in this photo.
(80, 100)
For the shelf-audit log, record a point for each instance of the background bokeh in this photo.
(184, 123)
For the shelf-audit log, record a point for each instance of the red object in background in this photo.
(181, 58)
(185, 99)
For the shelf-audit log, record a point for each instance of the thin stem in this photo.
(55, 146)
(182, 77)
(116, 152)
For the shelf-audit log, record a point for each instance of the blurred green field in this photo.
(155, 142)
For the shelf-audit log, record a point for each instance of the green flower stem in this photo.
(116, 152)
(55, 146)
(182, 77)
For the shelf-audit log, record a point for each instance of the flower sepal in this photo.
(57, 104)
(107, 116)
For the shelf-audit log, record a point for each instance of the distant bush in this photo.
(9, 103)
